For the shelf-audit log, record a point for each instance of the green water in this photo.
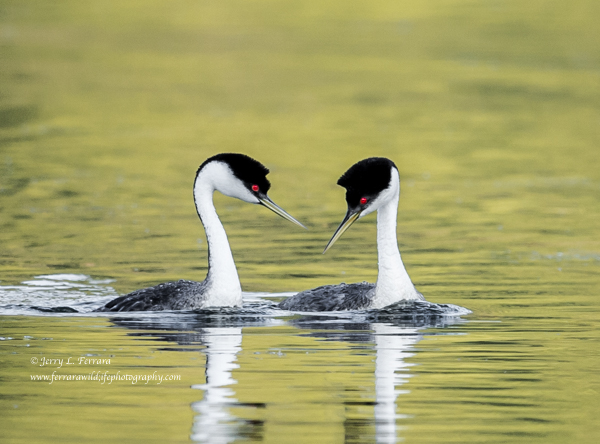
(491, 110)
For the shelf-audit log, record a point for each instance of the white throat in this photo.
(393, 282)
(223, 283)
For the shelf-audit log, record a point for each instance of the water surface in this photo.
(491, 110)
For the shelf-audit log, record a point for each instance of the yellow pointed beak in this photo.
(267, 202)
(348, 220)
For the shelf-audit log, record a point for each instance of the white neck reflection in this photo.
(393, 345)
(214, 423)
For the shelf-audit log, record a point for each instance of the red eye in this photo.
(255, 188)
(363, 200)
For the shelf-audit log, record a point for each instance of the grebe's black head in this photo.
(364, 182)
(240, 176)
(250, 172)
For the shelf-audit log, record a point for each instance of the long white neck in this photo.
(223, 284)
(393, 282)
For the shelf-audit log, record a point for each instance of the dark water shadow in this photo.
(17, 115)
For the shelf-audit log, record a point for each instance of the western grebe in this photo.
(371, 184)
(234, 175)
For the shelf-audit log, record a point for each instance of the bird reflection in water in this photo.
(392, 339)
(214, 423)
(218, 334)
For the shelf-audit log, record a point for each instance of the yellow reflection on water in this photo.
(489, 109)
